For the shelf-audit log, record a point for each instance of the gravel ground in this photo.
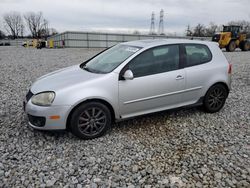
(183, 148)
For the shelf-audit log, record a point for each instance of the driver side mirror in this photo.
(128, 75)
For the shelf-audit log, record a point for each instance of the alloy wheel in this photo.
(92, 121)
(216, 98)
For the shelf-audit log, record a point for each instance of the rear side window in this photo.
(197, 54)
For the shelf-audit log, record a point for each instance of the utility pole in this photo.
(152, 26)
(161, 23)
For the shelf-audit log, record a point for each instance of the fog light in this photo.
(36, 120)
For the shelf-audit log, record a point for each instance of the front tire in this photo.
(215, 98)
(231, 46)
(90, 120)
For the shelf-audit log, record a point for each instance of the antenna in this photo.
(161, 23)
(152, 26)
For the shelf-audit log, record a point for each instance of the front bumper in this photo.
(37, 112)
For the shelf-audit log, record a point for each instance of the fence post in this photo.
(87, 40)
(106, 40)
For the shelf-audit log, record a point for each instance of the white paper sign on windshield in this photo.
(132, 49)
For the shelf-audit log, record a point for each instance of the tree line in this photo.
(200, 30)
(16, 24)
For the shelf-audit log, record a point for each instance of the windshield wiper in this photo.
(92, 70)
(87, 69)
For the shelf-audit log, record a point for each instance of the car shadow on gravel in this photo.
(57, 134)
(153, 118)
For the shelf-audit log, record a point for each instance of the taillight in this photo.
(230, 68)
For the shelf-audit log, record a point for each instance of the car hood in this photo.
(63, 78)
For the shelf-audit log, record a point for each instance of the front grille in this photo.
(36, 120)
(216, 38)
(29, 95)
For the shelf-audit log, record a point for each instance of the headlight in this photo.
(43, 99)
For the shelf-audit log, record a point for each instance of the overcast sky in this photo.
(130, 15)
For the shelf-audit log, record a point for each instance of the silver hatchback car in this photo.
(128, 80)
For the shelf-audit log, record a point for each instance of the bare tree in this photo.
(52, 31)
(13, 24)
(220, 28)
(37, 25)
(44, 32)
(211, 29)
(2, 35)
(199, 30)
(189, 31)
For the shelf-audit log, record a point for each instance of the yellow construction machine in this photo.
(231, 38)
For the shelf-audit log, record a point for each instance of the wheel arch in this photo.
(233, 40)
(102, 101)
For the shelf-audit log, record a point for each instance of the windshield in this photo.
(226, 29)
(110, 59)
(231, 29)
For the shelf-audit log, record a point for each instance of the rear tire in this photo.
(90, 120)
(231, 46)
(245, 46)
(215, 98)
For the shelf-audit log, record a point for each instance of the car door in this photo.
(158, 82)
(198, 70)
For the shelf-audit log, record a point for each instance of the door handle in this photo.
(179, 77)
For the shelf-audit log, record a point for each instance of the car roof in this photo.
(157, 42)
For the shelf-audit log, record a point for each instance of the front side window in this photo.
(110, 59)
(197, 54)
(156, 60)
